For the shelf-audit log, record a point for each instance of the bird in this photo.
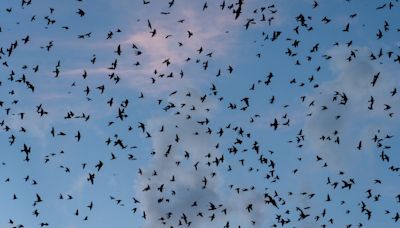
(275, 124)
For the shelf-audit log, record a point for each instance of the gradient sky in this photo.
(181, 83)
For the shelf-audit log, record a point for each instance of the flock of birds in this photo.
(199, 171)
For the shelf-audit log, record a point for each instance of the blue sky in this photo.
(197, 82)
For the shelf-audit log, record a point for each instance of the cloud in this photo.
(36, 126)
(188, 186)
(356, 121)
(209, 33)
(90, 71)
(78, 185)
(209, 30)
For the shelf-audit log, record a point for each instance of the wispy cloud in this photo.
(354, 79)
(172, 43)
(188, 186)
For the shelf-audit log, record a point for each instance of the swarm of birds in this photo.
(228, 113)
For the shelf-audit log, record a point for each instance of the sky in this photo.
(243, 113)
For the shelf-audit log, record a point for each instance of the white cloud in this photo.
(356, 121)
